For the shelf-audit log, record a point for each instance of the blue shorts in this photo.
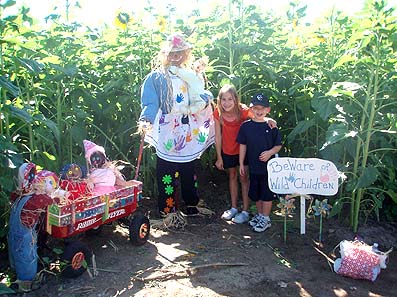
(230, 161)
(259, 188)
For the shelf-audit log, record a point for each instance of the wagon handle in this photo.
(138, 165)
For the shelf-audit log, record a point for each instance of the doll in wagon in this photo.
(104, 176)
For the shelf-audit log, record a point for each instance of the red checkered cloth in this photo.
(359, 262)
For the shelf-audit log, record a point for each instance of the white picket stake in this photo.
(303, 214)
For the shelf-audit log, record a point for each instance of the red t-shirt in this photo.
(230, 130)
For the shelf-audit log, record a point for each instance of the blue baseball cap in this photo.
(260, 99)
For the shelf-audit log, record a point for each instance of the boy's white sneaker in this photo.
(241, 218)
(254, 220)
(229, 214)
(262, 225)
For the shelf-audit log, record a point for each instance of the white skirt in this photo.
(182, 138)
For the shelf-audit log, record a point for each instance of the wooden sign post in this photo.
(302, 176)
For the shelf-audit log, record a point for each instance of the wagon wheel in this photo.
(76, 255)
(139, 229)
(95, 230)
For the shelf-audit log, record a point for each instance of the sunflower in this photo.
(162, 24)
(122, 20)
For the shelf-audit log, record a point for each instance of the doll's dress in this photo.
(76, 188)
(104, 180)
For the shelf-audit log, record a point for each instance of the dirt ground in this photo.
(211, 257)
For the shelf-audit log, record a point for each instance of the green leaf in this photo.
(5, 290)
(57, 251)
(324, 107)
(336, 133)
(49, 156)
(369, 176)
(291, 90)
(21, 114)
(301, 127)
(336, 208)
(393, 195)
(8, 3)
(31, 65)
(9, 86)
(343, 88)
(342, 60)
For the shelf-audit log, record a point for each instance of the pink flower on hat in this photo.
(176, 41)
(91, 148)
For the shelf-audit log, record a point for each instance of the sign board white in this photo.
(302, 176)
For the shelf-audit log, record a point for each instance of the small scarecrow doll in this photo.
(73, 180)
(104, 177)
(36, 192)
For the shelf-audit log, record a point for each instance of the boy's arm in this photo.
(242, 153)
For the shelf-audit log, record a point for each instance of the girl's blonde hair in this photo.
(237, 105)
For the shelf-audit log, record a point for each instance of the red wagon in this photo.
(90, 213)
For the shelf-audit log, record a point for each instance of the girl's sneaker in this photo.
(254, 220)
(241, 217)
(262, 225)
(229, 214)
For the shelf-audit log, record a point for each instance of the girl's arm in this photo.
(218, 144)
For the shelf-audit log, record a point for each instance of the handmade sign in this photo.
(302, 176)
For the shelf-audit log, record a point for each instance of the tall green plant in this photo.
(364, 102)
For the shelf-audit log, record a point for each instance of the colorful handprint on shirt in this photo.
(202, 137)
(180, 143)
(180, 98)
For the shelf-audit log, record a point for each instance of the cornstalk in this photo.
(371, 118)
(358, 152)
(231, 52)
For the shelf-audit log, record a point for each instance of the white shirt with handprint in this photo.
(180, 137)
